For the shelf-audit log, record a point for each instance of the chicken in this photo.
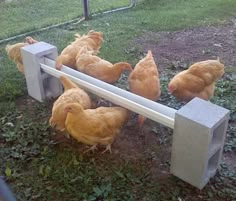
(95, 126)
(14, 52)
(197, 81)
(144, 81)
(72, 94)
(30, 40)
(99, 68)
(68, 55)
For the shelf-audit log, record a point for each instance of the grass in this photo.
(38, 166)
(28, 15)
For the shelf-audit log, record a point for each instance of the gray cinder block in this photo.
(40, 85)
(198, 140)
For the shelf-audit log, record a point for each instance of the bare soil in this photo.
(187, 46)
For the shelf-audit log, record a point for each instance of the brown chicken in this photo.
(95, 126)
(68, 55)
(14, 53)
(144, 81)
(72, 94)
(30, 40)
(99, 68)
(197, 81)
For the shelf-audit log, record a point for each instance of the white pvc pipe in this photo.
(133, 102)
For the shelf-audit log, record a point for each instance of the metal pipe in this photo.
(131, 5)
(133, 102)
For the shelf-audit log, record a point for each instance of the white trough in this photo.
(199, 126)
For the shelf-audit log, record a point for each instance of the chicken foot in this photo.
(93, 148)
(108, 148)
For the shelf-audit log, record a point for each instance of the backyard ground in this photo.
(41, 164)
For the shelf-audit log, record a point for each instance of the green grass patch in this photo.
(21, 16)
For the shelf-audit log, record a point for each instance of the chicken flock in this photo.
(74, 112)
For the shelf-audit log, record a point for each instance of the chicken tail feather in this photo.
(67, 84)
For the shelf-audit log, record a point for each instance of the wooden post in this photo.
(85, 8)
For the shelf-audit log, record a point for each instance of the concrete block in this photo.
(198, 140)
(40, 85)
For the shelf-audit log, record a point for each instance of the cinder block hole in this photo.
(218, 134)
(213, 162)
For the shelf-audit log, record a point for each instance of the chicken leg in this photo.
(93, 148)
(108, 148)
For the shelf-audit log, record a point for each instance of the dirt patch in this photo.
(184, 47)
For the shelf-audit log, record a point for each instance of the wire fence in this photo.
(27, 17)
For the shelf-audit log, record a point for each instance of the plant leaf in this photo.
(8, 172)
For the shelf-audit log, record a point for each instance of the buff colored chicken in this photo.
(95, 126)
(30, 40)
(13, 51)
(197, 81)
(72, 94)
(99, 68)
(144, 81)
(68, 55)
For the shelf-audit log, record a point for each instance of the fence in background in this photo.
(85, 5)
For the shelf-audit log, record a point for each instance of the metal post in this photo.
(85, 9)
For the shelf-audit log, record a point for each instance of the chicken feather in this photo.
(99, 68)
(95, 126)
(144, 80)
(68, 55)
(197, 81)
(72, 94)
(14, 53)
